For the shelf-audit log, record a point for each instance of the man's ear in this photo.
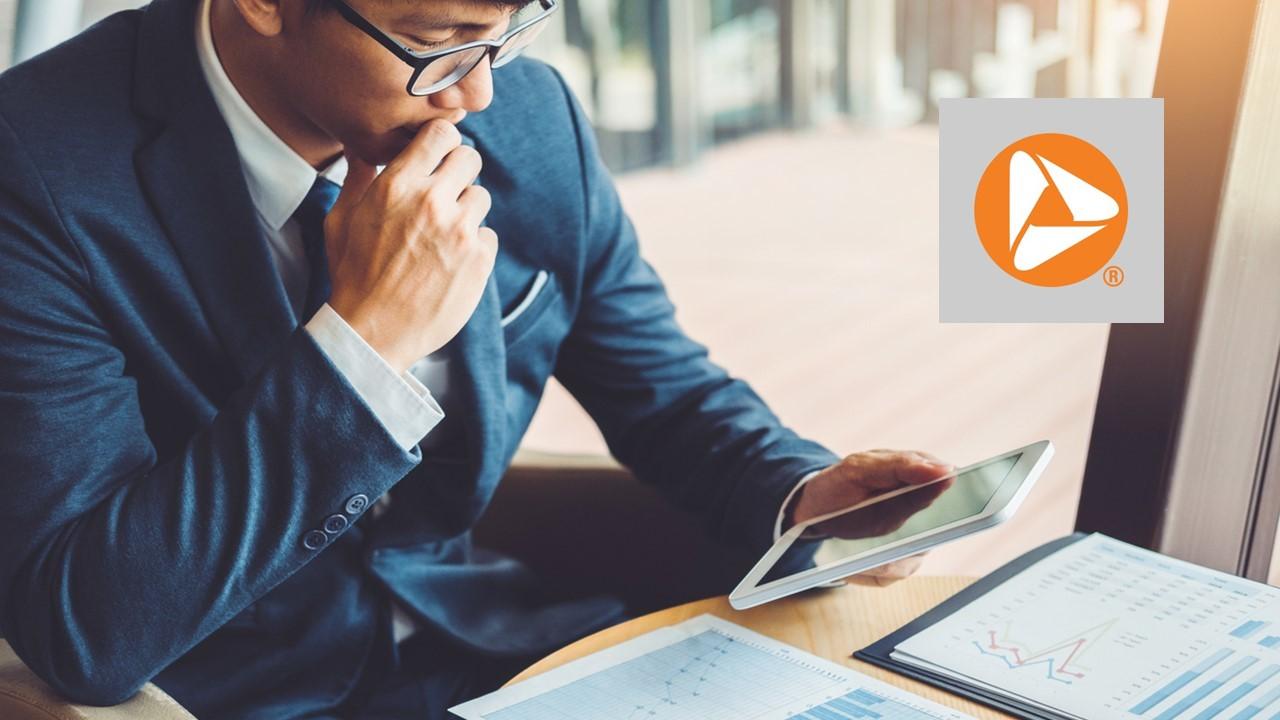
(265, 17)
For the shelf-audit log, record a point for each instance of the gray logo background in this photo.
(972, 288)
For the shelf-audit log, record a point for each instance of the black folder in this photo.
(878, 653)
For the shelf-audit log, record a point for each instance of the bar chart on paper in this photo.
(702, 669)
(1102, 629)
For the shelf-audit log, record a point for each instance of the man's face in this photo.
(353, 89)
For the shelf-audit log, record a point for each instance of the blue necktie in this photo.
(310, 216)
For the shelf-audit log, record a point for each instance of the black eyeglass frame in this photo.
(419, 61)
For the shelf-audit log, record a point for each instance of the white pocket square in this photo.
(538, 283)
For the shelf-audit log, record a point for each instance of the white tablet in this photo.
(895, 525)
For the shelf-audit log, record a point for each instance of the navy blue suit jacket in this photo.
(169, 435)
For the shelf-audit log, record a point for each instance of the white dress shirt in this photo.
(279, 180)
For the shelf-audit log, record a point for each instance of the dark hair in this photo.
(318, 5)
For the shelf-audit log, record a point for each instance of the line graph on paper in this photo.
(1060, 660)
(1105, 630)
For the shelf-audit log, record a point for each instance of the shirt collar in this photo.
(278, 178)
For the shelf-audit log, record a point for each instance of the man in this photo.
(247, 420)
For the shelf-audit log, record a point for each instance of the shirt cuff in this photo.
(782, 511)
(403, 405)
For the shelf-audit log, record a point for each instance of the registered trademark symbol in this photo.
(1113, 276)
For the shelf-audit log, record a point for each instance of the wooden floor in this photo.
(807, 263)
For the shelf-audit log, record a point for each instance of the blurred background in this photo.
(779, 159)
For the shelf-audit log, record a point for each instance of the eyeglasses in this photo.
(434, 71)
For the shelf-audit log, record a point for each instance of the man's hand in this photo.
(860, 477)
(408, 260)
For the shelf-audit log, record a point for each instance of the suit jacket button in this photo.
(357, 503)
(335, 524)
(314, 540)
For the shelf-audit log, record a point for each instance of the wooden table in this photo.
(828, 623)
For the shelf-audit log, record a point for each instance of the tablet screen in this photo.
(916, 511)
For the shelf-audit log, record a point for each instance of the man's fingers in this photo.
(489, 239)
(932, 459)
(863, 476)
(886, 471)
(475, 202)
(925, 457)
(457, 171)
(421, 156)
(912, 469)
(898, 568)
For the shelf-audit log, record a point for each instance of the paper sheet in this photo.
(1102, 629)
(705, 668)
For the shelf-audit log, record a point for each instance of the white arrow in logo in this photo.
(1039, 244)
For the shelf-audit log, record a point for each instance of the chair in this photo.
(582, 521)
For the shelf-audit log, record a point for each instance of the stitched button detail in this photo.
(357, 503)
(335, 524)
(314, 540)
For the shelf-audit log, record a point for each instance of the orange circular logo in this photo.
(1051, 209)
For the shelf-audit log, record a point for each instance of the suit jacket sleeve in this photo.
(115, 561)
(666, 411)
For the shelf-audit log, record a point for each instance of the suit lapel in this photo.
(191, 173)
(217, 236)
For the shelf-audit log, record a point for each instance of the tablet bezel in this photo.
(1000, 507)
